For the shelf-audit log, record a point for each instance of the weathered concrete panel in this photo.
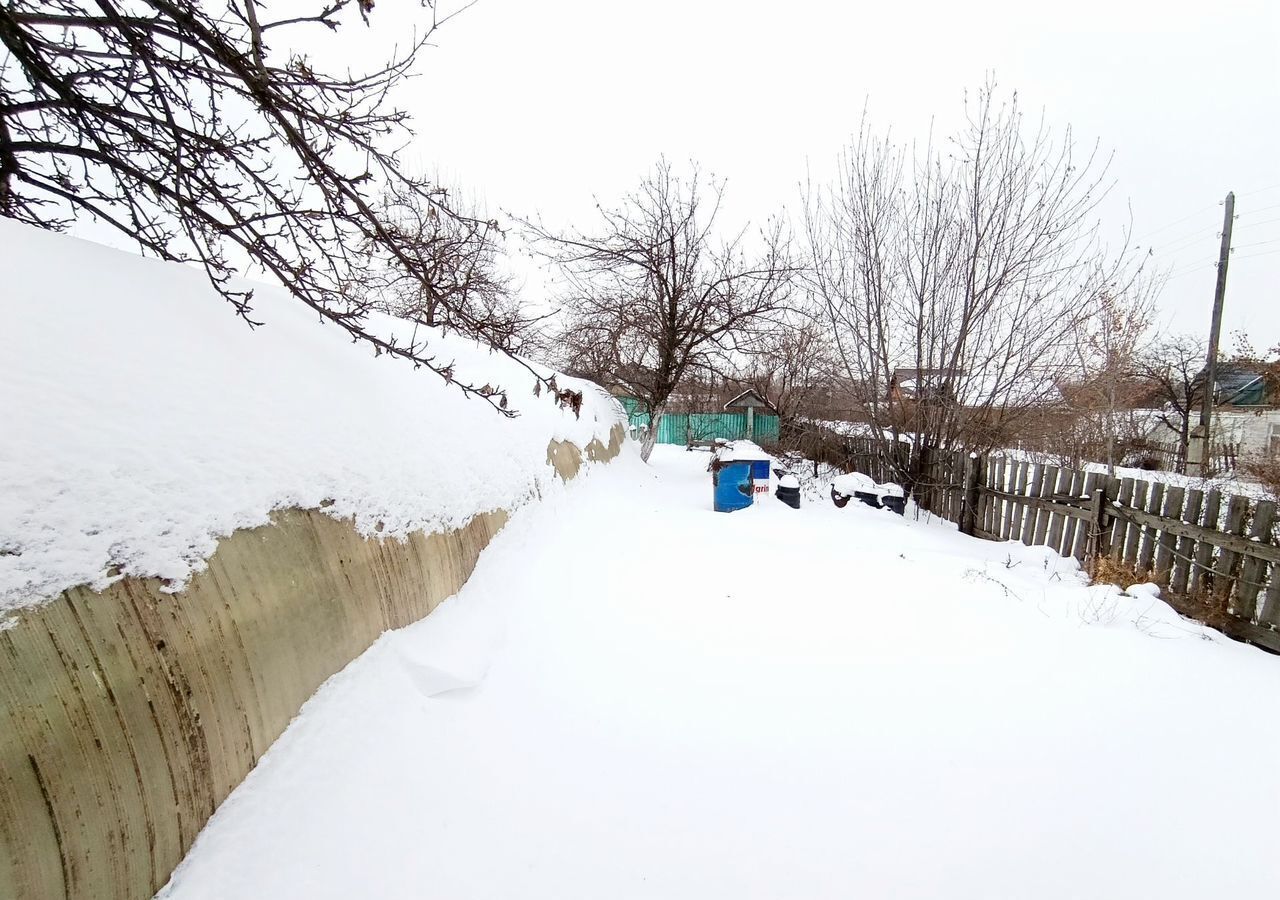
(127, 716)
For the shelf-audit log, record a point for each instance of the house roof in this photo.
(749, 397)
(1240, 386)
(978, 388)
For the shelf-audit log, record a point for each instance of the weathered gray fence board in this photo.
(1133, 534)
(1174, 535)
(1147, 547)
(1253, 571)
(1270, 612)
(1033, 490)
(1224, 569)
(1013, 483)
(1201, 571)
(1053, 534)
(1082, 485)
(1119, 527)
(1044, 510)
(1166, 542)
(993, 508)
(1184, 552)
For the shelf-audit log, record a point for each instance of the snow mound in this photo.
(143, 421)
(856, 482)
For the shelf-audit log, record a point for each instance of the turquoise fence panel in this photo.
(673, 429)
(681, 428)
(766, 429)
(722, 426)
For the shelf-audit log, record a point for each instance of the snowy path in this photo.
(856, 706)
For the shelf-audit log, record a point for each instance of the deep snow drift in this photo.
(634, 696)
(142, 420)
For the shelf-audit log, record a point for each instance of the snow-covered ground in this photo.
(140, 421)
(635, 696)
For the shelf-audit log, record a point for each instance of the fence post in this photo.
(1097, 526)
(969, 509)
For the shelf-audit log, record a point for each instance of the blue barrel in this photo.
(732, 485)
(760, 471)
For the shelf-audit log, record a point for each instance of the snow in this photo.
(741, 450)
(856, 482)
(143, 421)
(635, 696)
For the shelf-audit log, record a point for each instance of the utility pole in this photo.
(1202, 438)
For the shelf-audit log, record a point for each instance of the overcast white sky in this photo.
(541, 106)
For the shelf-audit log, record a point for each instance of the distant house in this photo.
(1246, 412)
(750, 401)
(972, 390)
(923, 384)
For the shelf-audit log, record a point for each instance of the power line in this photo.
(1189, 216)
(1182, 242)
(1261, 190)
(1255, 255)
(1187, 270)
(1255, 244)
(1263, 209)
(1176, 222)
(1263, 222)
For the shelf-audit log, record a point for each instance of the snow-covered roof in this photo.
(748, 398)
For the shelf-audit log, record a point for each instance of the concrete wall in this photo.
(127, 716)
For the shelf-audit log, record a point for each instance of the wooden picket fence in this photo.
(1214, 553)
(1223, 458)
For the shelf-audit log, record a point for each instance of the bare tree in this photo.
(183, 127)
(956, 281)
(1174, 370)
(657, 292)
(457, 282)
(793, 368)
(1109, 345)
